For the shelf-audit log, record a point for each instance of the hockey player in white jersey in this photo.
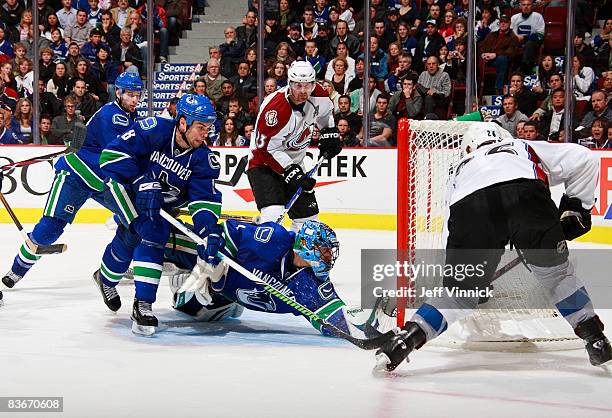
(499, 192)
(283, 131)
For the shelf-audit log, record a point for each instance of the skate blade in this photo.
(144, 330)
(382, 360)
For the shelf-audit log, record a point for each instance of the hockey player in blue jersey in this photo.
(78, 176)
(300, 262)
(160, 163)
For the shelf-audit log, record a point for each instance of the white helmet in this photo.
(480, 133)
(302, 72)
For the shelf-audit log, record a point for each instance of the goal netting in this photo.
(427, 152)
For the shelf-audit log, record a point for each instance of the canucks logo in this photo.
(121, 120)
(258, 299)
(171, 193)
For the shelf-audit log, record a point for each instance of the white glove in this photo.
(202, 274)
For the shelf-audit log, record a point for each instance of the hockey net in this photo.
(427, 152)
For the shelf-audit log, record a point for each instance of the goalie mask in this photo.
(479, 134)
(317, 243)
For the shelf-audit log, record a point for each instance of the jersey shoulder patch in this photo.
(147, 123)
(274, 115)
(121, 120)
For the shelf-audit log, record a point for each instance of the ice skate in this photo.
(109, 294)
(597, 345)
(394, 351)
(10, 280)
(144, 322)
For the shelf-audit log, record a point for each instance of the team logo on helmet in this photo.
(271, 117)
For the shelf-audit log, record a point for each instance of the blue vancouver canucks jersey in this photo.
(187, 176)
(103, 127)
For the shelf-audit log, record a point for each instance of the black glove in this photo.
(575, 220)
(294, 176)
(330, 143)
(148, 196)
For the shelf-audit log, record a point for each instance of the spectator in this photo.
(378, 60)
(554, 82)
(584, 78)
(406, 41)
(111, 33)
(46, 65)
(6, 49)
(334, 17)
(429, 44)
(178, 15)
(381, 125)
(526, 99)
(434, 85)
(553, 120)
(21, 123)
(48, 103)
(447, 27)
(20, 54)
(232, 52)
(8, 97)
(357, 82)
(24, 30)
(24, 77)
(309, 28)
(44, 130)
(343, 35)
(599, 138)
(340, 79)
(213, 52)
(244, 84)
(229, 136)
(328, 86)
(430, 11)
(295, 41)
(456, 65)
(408, 102)
(66, 15)
(602, 38)
(345, 13)
(344, 112)
(408, 13)
(546, 69)
(160, 27)
(250, 57)
(529, 26)
(58, 46)
(530, 131)
(90, 49)
(121, 13)
(583, 50)
(51, 23)
(248, 131)
(607, 87)
(497, 49)
(488, 23)
(10, 13)
(511, 115)
(62, 126)
(92, 83)
(237, 113)
(7, 77)
(460, 29)
(58, 85)
(199, 87)
(519, 133)
(393, 82)
(323, 42)
(95, 13)
(213, 79)
(317, 61)
(139, 36)
(79, 31)
(357, 99)
(86, 105)
(227, 88)
(106, 71)
(381, 33)
(393, 54)
(341, 52)
(599, 104)
(127, 53)
(7, 136)
(347, 136)
(270, 86)
(278, 71)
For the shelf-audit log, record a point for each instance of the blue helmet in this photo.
(129, 81)
(195, 108)
(317, 242)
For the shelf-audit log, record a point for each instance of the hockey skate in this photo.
(1, 299)
(395, 350)
(10, 280)
(144, 322)
(109, 294)
(597, 345)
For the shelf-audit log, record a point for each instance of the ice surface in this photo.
(58, 339)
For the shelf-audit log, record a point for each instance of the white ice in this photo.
(58, 339)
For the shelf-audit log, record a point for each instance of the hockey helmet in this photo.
(129, 81)
(318, 244)
(195, 108)
(302, 72)
(480, 133)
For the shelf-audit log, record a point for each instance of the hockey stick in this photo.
(224, 216)
(237, 174)
(366, 344)
(36, 248)
(298, 192)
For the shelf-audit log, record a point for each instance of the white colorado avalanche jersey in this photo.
(283, 131)
(572, 165)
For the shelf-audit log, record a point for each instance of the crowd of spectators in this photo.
(83, 46)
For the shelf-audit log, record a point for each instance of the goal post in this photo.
(426, 154)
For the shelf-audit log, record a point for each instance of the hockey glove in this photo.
(294, 176)
(330, 143)
(575, 220)
(148, 196)
(214, 243)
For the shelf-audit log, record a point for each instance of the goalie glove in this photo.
(330, 143)
(200, 278)
(575, 220)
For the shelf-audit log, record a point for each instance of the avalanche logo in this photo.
(256, 298)
(271, 117)
(300, 142)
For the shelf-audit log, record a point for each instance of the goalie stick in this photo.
(224, 216)
(36, 248)
(366, 344)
